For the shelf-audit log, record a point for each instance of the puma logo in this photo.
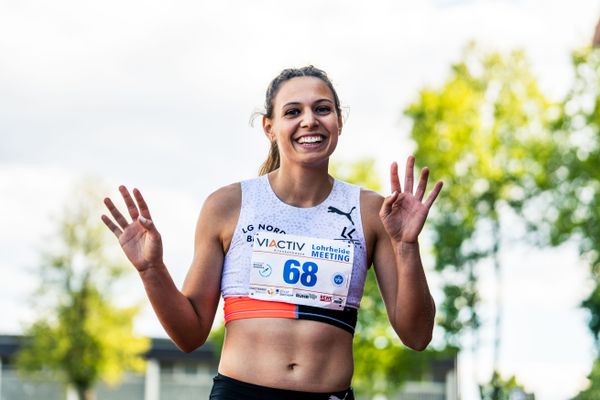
(337, 211)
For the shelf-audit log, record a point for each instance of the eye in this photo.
(323, 109)
(291, 112)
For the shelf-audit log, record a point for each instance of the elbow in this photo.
(189, 347)
(416, 331)
(416, 338)
(190, 343)
(417, 343)
(188, 350)
(189, 337)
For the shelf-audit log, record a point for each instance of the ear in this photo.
(267, 125)
(340, 125)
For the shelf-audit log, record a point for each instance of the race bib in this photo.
(301, 270)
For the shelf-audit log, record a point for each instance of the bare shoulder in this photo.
(370, 202)
(220, 213)
(225, 200)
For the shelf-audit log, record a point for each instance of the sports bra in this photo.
(338, 217)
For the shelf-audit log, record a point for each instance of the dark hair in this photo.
(272, 161)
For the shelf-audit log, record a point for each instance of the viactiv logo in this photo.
(280, 244)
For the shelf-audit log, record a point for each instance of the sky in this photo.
(159, 95)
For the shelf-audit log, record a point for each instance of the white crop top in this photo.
(337, 217)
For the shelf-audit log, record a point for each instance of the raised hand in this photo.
(139, 238)
(403, 213)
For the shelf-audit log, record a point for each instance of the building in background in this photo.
(174, 375)
(170, 374)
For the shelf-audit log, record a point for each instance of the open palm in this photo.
(403, 214)
(139, 238)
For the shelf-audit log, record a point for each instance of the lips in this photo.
(310, 139)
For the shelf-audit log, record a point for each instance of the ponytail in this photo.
(272, 161)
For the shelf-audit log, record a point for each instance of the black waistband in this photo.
(225, 388)
(345, 319)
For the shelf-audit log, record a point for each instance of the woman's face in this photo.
(305, 124)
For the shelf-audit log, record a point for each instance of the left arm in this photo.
(397, 259)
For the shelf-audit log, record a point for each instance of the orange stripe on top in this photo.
(241, 307)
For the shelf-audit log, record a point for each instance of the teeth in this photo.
(310, 139)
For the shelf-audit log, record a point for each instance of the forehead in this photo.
(303, 89)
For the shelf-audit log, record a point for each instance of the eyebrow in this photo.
(293, 103)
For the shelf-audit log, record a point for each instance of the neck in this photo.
(300, 186)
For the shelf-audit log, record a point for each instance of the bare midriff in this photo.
(288, 354)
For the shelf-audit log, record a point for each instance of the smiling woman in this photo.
(308, 103)
(273, 160)
(291, 300)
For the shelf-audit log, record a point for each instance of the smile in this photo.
(310, 139)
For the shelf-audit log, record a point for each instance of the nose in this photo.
(309, 120)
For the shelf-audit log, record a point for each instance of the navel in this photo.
(291, 366)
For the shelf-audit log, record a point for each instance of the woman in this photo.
(289, 252)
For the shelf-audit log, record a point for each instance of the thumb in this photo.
(386, 207)
(147, 223)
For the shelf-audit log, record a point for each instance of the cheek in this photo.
(334, 127)
(284, 129)
(278, 136)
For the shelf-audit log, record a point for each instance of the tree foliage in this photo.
(577, 178)
(80, 335)
(503, 389)
(592, 392)
(483, 132)
(576, 202)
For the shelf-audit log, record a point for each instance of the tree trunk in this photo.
(496, 234)
(85, 393)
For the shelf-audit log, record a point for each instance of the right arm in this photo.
(186, 315)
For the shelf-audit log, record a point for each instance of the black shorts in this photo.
(226, 388)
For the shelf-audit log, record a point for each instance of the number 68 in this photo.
(292, 273)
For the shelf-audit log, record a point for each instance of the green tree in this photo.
(484, 133)
(592, 392)
(577, 172)
(576, 175)
(383, 364)
(503, 389)
(81, 336)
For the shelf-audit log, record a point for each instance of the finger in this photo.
(422, 186)
(409, 176)
(386, 206)
(148, 224)
(434, 194)
(142, 204)
(131, 207)
(111, 225)
(394, 180)
(116, 213)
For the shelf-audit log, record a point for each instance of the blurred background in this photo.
(498, 97)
